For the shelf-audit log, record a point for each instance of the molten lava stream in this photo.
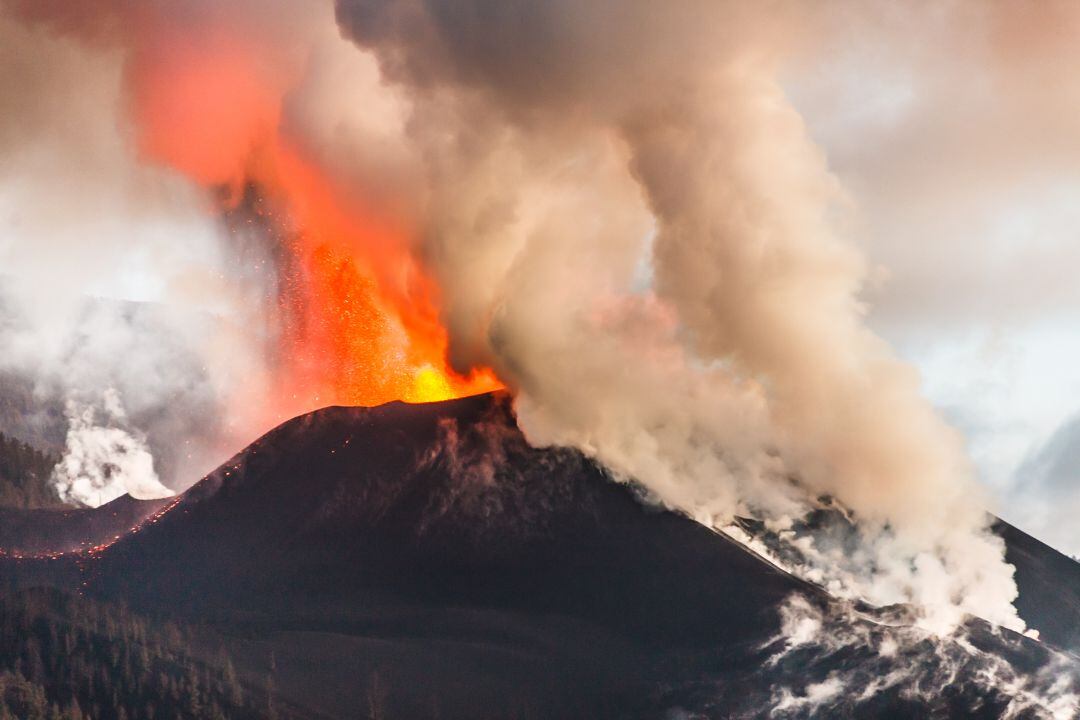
(361, 325)
(358, 317)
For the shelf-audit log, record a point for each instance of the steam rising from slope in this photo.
(897, 659)
(87, 227)
(103, 459)
(621, 214)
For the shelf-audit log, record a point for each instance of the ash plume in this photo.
(623, 215)
(568, 144)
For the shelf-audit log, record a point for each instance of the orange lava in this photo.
(362, 324)
(359, 319)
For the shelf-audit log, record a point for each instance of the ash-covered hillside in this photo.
(423, 561)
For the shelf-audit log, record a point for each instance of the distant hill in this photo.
(24, 415)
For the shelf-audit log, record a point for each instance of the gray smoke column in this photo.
(629, 222)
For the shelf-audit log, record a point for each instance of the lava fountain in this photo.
(356, 315)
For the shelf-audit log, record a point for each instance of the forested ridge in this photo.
(24, 475)
(64, 657)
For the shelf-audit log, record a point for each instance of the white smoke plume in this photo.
(102, 458)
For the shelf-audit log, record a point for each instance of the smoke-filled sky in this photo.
(746, 254)
(953, 131)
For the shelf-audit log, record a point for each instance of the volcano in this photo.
(53, 532)
(426, 561)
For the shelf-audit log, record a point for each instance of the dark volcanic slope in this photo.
(1049, 584)
(427, 557)
(433, 541)
(41, 532)
(439, 504)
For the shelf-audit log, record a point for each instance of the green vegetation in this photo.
(64, 657)
(24, 476)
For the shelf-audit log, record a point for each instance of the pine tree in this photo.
(234, 693)
(376, 697)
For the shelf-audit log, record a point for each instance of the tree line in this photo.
(25, 474)
(65, 657)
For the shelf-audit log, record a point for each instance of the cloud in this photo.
(1055, 468)
(955, 133)
(1047, 494)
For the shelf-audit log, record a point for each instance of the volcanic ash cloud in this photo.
(570, 146)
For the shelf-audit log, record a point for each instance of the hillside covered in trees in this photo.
(24, 475)
(63, 657)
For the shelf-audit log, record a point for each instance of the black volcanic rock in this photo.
(426, 559)
(432, 543)
(51, 531)
(439, 505)
(1049, 584)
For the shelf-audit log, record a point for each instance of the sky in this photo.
(971, 220)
